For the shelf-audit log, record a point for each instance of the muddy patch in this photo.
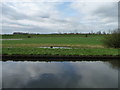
(56, 47)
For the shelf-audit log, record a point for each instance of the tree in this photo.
(112, 40)
(104, 32)
(99, 32)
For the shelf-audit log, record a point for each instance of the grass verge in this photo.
(49, 51)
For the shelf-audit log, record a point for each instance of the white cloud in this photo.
(98, 14)
(95, 10)
(44, 17)
(60, 0)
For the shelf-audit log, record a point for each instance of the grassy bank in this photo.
(90, 45)
(48, 51)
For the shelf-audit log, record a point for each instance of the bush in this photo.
(29, 36)
(112, 40)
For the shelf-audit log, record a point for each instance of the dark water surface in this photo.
(79, 74)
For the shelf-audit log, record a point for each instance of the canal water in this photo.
(41, 74)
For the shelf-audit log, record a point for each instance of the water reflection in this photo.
(81, 74)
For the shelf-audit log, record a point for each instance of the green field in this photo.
(54, 40)
(90, 45)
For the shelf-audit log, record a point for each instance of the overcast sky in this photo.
(57, 16)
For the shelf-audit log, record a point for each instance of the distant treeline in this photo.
(24, 33)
